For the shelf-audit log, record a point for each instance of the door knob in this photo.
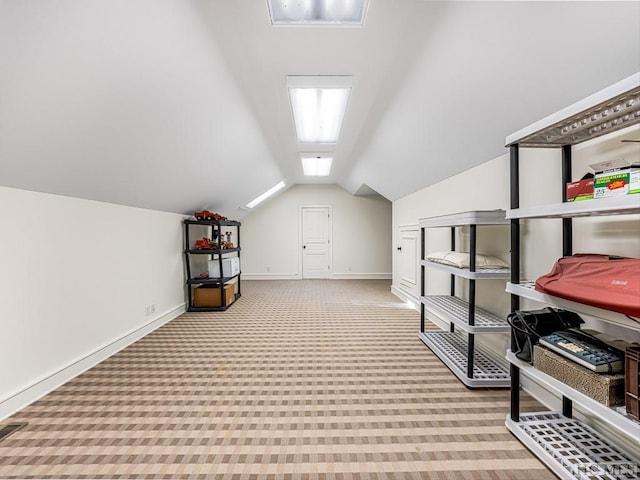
(399, 248)
(304, 246)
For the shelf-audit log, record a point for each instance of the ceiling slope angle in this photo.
(179, 106)
(103, 101)
(262, 56)
(366, 191)
(490, 69)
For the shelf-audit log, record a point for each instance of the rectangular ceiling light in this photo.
(316, 165)
(318, 105)
(317, 12)
(266, 195)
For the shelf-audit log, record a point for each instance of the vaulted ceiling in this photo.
(179, 105)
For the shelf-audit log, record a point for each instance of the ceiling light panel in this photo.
(317, 12)
(316, 165)
(318, 105)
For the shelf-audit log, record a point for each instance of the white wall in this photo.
(486, 187)
(361, 228)
(75, 278)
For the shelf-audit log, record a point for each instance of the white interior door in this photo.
(316, 258)
(409, 238)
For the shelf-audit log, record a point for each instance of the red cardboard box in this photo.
(580, 190)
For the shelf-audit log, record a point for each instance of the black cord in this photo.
(633, 318)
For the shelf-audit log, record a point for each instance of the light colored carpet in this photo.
(298, 379)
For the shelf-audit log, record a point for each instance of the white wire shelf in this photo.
(623, 423)
(620, 205)
(571, 449)
(456, 311)
(477, 217)
(606, 111)
(483, 274)
(451, 348)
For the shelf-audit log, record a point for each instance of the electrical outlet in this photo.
(268, 269)
(149, 310)
(349, 267)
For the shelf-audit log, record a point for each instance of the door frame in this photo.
(329, 235)
(410, 232)
(400, 288)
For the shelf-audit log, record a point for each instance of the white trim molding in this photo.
(271, 276)
(19, 400)
(361, 276)
(406, 296)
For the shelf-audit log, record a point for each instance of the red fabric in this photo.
(612, 283)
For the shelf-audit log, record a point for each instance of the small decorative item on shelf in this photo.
(206, 244)
(207, 215)
(224, 245)
(228, 235)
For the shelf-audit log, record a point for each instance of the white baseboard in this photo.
(40, 388)
(361, 276)
(406, 296)
(270, 276)
(335, 276)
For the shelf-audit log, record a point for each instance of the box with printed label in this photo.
(618, 182)
(580, 190)
(230, 267)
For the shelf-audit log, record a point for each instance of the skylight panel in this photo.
(318, 105)
(317, 12)
(265, 195)
(316, 165)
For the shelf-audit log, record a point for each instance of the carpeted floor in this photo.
(298, 379)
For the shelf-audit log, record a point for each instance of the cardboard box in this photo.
(605, 388)
(634, 181)
(615, 177)
(230, 267)
(617, 182)
(632, 381)
(580, 190)
(209, 295)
